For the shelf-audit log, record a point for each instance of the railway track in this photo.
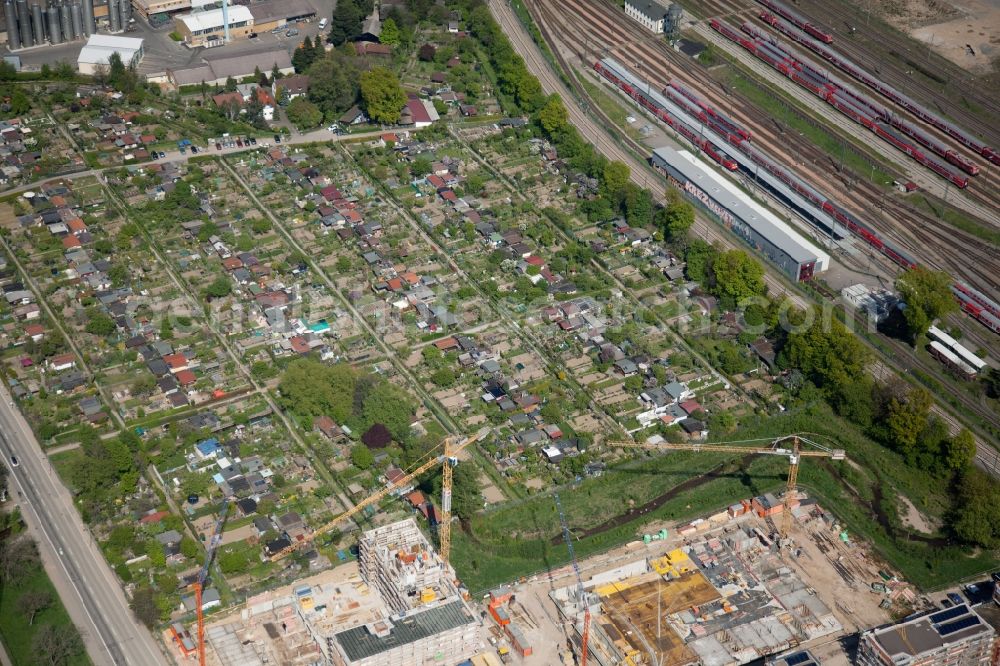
(590, 31)
(552, 84)
(982, 188)
(879, 49)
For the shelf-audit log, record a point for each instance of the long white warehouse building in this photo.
(793, 253)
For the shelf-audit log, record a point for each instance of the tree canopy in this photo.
(927, 295)
(310, 388)
(738, 276)
(304, 114)
(333, 85)
(676, 217)
(382, 96)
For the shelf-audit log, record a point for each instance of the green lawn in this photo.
(522, 538)
(14, 630)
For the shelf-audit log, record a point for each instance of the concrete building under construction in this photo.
(429, 616)
(955, 636)
(397, 606)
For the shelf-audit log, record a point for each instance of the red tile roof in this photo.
(417, 110)
(185, 378)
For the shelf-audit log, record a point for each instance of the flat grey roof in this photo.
(359, 643)
(651, 9)
(931, 632)
(741, 206)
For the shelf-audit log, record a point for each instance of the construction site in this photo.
(399, 605)
(718, 591)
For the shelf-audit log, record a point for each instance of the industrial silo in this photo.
(88, 18)
(65, 22)
(77, 15)
(24, 24)
(38, 23)
(13, 34)
(55, 34)
(125, 12)
(113, 18)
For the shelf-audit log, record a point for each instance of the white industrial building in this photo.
(208, 27)
(649, 13)
(99, 48)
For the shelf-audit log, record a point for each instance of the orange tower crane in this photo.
(199, 584)
(447, 459)
(579, 583)
(778, 447)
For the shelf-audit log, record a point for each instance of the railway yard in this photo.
(586, 31)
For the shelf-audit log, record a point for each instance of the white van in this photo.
(322, 24)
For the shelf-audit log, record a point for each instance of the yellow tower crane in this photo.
(778, 447)
(452, 447)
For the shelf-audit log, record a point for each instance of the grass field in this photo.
(522, 538)
(15, 632)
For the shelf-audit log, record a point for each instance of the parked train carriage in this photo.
(662, 108)
(845, 65)
(943, 354)
(798, 21)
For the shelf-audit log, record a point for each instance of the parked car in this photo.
(194, 150)
(954, 598)
(218, 146)
(253, 141)
(277, 138)
(292, 33)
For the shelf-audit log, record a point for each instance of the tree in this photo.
(230, 85)
(100, 324)
(19, 102)
(144, 606)
(304, 55)
(960, 450)
(421, 166)
(615, 178)
(18, 559)
(390, 33)
(219, 287)
(927, 295)
(154, 550)
(31, 602)
(738, 276)
(166, 329)
(466, 498)
(304, 114)
(345, 22)
(906, 418)
(675, 218)
(55, 647)
(426, 53)
(382, 96)
(443, 377)
(362, 457)
(189, 547)
(333, 85)
(698, 259)
(977, 508)
(553, 116)
(119, 274)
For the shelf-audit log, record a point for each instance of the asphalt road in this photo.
(85, 583)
